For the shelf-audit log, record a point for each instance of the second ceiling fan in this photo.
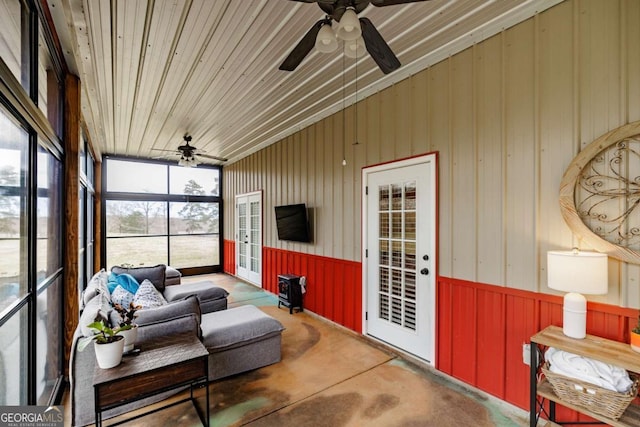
(357, 33)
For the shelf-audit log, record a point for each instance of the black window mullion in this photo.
(31, 202)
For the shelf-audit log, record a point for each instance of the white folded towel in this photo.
(592, 371)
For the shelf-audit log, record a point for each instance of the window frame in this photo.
(20, 102)
(168, 199)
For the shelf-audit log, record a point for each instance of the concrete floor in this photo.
(330, 376)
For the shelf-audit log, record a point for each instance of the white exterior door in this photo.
(249, 237)
(399, 254)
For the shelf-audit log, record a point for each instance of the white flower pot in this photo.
(109, 355)
(130, 337)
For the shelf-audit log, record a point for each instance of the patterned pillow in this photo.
(148, 296)
(121, 296)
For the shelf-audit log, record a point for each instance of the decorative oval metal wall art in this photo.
(600, 194)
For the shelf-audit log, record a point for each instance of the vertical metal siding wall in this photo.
(507, 116)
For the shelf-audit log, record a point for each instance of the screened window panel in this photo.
(13, 359)
(194, 251)
(149, 177)
(49, 215)
(196, 181)
(48, 337)
(138, 250)
(194, 217)
(135, 218)
(14, 144)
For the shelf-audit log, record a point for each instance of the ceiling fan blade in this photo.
(381, 3)
(378, 48)
(160, 149)
(303, 48)
(208, 156)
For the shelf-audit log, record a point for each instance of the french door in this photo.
(249, 237)
(399, 248)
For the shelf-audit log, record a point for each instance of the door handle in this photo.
(424, 271)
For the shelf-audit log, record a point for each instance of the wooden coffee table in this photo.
(162, 365)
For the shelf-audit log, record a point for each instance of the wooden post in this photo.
(71, 175)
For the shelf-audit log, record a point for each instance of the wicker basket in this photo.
(596, 399)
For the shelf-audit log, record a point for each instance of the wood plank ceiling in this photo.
(155, 70)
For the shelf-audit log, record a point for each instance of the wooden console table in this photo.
(163, 364)
(612, 352)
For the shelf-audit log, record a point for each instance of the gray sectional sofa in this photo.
(238, 339)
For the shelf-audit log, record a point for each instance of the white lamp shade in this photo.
(354, 48)
(326, 41)
(580, 272)
(349, 26)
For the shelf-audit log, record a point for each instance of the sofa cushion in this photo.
(205, 290)
(97, 284)
(173, 309)
(155, 274)
(222, 330)
(147, 296)
(97, 309)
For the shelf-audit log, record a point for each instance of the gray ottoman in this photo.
(211, 297)
(240, 339)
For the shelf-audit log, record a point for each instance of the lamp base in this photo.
(574, 320)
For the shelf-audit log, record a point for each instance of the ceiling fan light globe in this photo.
(326, 39)
(354, 48)
(349, 26)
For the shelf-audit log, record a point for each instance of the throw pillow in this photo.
(148, 296)
(121, 296)
(97, 309)
(155, 274)
(127, 281)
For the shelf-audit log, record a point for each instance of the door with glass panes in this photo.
(399, 254)
(249, 237)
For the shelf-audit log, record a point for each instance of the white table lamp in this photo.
(577, 273)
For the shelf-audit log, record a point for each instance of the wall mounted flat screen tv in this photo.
(292, 223)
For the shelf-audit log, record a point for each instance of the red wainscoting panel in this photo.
(230, 257)
(481, 329)
(334, 286)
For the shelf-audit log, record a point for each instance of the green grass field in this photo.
(186, 251)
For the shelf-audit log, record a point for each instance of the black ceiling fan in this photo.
(334, 10)
(189, 153)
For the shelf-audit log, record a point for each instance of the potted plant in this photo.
(108, 345)
(126, 327)
(635, 336)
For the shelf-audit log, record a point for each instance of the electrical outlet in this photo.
(526, 354)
